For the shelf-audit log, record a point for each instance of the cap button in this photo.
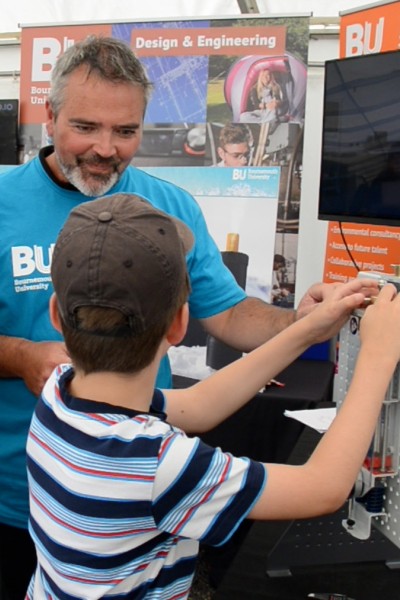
(105, 216)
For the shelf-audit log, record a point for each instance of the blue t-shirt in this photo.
(33, 209)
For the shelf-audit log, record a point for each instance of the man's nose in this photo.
(104, 145)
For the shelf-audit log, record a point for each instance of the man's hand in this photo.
(319, 292)
(38, 359)
(330, 314)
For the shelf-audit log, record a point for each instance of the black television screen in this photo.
(360, 159)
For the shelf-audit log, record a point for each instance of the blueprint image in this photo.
(180, 83)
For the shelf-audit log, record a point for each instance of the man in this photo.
(235, 145)
(95, 113)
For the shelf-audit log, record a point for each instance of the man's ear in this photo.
(49, 118)
(178, 327)
(54, 314)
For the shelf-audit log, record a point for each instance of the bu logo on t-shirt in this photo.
(32, 264)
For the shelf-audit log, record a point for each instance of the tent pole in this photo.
(248, 6)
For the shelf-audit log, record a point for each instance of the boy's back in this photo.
(117, 495)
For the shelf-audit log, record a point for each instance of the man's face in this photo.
(96, 132)
(235, 155)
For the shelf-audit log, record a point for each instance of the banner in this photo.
(242, 202)
(373, 247)
(227, 93)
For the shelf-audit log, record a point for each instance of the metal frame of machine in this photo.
(375, 500)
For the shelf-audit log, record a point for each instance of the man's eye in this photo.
(83, 128)
(126, 132)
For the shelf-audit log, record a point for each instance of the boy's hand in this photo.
(380, 324)
(331, 314)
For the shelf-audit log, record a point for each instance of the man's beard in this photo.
(89, 185)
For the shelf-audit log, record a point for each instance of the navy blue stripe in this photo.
(91, 507)
(90, 406)
(169, 575)
(92, 560)
(237, 508)
(196, 468)
(137, 448)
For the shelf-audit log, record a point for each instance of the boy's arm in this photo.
(252, 321)
(323, 484)
(204, 405)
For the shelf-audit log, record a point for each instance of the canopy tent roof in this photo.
(20, 12)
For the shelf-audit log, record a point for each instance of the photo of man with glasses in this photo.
(235, 145)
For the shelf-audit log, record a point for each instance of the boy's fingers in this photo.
(388, 292)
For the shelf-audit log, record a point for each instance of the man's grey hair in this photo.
(106, 57)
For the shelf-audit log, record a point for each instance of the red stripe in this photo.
(85, 531)
(96, 473)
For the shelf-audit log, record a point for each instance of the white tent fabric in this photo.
(23, 12)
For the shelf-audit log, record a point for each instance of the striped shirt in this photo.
(119, 500)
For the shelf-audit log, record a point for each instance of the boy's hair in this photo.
(235, 133)
(119, 274)
(106, 57)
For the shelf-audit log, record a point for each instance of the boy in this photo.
(235, 145)
(120, 496)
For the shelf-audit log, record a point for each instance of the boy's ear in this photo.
(221, 152)
(54, 314)
(178, 327)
